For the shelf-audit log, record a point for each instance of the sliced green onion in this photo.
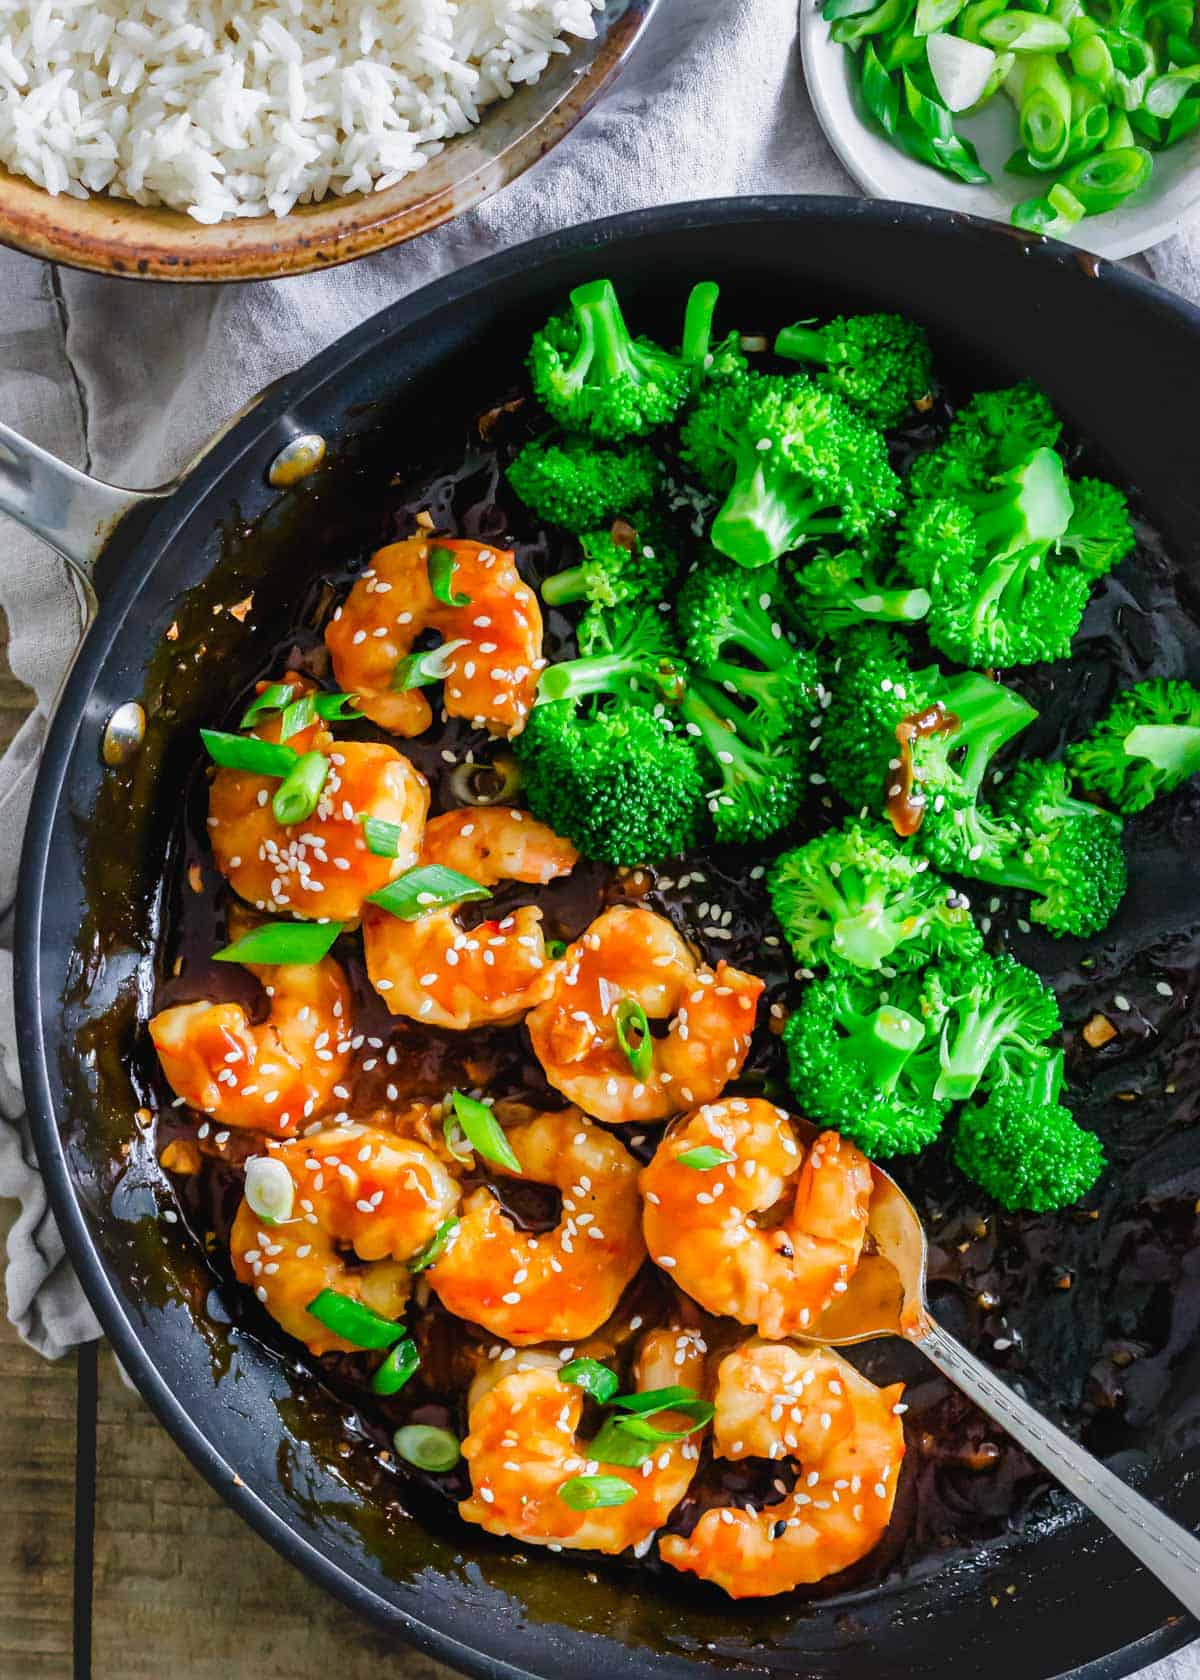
(613, 1445)
(383, 838)
(441, 578)
(429, 886)
(270, 1192)
(418, 670)
(426, 1447)
(247, 752)
(297, 795)
(436, 1246)
(591, 1493)
(455, 1137)
(336, 708)
(272, 699)
(282, 942)
(556, 948)
(483, 1131)
(631, 1439)
(397, 1368)
(676, 1399)
(353, 1322)
(589, 1375)
(704, 1157)
(633, 1035)
(297, 716)
(1025, 32)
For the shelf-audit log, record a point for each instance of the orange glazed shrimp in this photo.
(522, 1447)
(354, 1188)
(777, 1401)
(703, 1224)
(491, 650)
(434, 971)
(321, 867)
(266, 1078)
(559, 1286)
(633, 954)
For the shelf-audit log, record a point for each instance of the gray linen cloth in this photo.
(128, 380)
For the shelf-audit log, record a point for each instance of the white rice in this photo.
(232, 108)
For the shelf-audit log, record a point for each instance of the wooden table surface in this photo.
(117, 1561)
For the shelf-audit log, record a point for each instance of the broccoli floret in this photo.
(1100, 533)
(639, 664)
(838, 592)
(1000, 592)
(581, 487)
(1023, 1147)
(1147, 745)
(792, 460)
(759, 779)
(616, 782)
(601, 764)
(623, 566)
(725, 625)
(593, 376)
(876, 691)
(880, 363)
(935, 532)
(1042, 840)
(852, 1063)
(992, 434)
(853, 897)
(984, 1007)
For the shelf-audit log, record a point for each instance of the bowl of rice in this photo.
(250, 139)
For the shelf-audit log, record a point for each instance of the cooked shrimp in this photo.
(322, 867)
(705, 1226)
(491, 651)
(776, 1401)
(267, 1078)
(522, 1446)
(434, 971)
(356, 1189)
(632, 953)
(559, 1286)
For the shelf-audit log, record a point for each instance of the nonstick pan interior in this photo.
(1121, 361)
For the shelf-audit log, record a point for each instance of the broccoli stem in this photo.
(1174, 748)
(1034, 514)
(602, 673)
(968, 1047)
(598, 312)
(988, 715)
(698, 323)
(755, 525)
(802, 344)
(565, 587)
(900, 606)
(882, 1044)
(867, 939)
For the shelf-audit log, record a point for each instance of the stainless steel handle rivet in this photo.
(296, 460)
(123, 734)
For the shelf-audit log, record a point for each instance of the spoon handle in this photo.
(1166, 1549)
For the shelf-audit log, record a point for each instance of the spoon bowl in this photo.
(886, 1297)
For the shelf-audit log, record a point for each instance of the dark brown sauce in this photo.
(904, 806)
(1113, 1356)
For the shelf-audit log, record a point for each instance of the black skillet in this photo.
(1121, 360)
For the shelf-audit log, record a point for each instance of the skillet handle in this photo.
(73, 513)
(1167, 1550)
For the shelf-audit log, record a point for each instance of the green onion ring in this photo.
(483, 1131)
(297, 796)
(426, 1447)
(640, 1055)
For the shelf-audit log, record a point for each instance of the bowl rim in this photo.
(71, 712)
(113, 236)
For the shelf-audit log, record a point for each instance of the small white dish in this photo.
(1150, 215)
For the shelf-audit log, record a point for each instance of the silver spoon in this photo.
(886, 1297)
